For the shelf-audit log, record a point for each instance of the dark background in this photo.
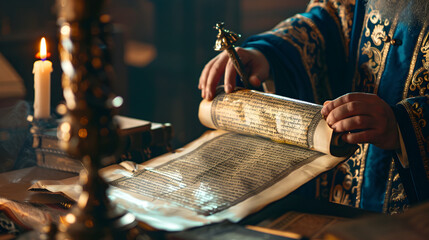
(160, 48)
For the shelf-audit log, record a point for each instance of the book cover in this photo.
(50, 158)
(140, 141)
(127, 126)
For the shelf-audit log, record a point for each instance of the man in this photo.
(378, 51)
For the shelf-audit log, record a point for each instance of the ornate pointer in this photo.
(225, 41)
(88, 130)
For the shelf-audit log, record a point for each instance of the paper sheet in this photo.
(220, 176)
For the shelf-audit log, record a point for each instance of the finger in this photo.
(230, 76)
(326, 102)
(350, 97)
(322, 111)
(204, 75)
(215, 73)
(347, 110)
(360, 122)
(359, 137)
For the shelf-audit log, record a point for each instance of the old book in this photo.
(141, 140)
(58, 160)
(141, 146)
(46, 139)
(265, 147)
(127, 126)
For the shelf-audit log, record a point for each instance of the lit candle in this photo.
(42, 83)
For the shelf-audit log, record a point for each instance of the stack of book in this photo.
(141, 140)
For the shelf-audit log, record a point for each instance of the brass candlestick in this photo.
(225, 41)
(88, 130)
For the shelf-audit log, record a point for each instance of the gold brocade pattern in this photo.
(339, 192)
(347, 179)
(417, 84)
(420, 81)
(343, 183)
(418, 78)
(341, 12)
(395, 193)
(304, 35)
(414, 112)
(375, 49)
(417, 111)
(397, 196)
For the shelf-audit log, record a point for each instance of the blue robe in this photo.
(340, 46)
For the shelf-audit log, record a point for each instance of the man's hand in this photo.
(253, 60)
(365, 117)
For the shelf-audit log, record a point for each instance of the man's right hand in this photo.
(254, 63)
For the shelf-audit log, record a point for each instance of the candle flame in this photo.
(43, 52)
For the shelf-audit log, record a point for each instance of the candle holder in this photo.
(39, 125)
(88, 130)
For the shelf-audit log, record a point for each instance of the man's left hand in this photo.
(365, 117)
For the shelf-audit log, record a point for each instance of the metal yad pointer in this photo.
(225, 41)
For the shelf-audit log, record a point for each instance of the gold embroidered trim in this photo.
(394, 198)
(419, 135)
(413, 81)
(319, 35)
(314, 28)
(384, 51)
(301, 34)
(331, 12)
(340, 193)
(413, 62)
(345, 15)
(286, 25)
(373, 68)
(353, 171)
(361, 173)
(418, 112)
(389, 186)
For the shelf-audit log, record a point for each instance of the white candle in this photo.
(42, 84)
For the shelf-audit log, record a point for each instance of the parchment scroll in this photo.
(271, 116)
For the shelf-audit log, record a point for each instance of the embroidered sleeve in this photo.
(341, 12)
(308, 52)
(412, 115)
